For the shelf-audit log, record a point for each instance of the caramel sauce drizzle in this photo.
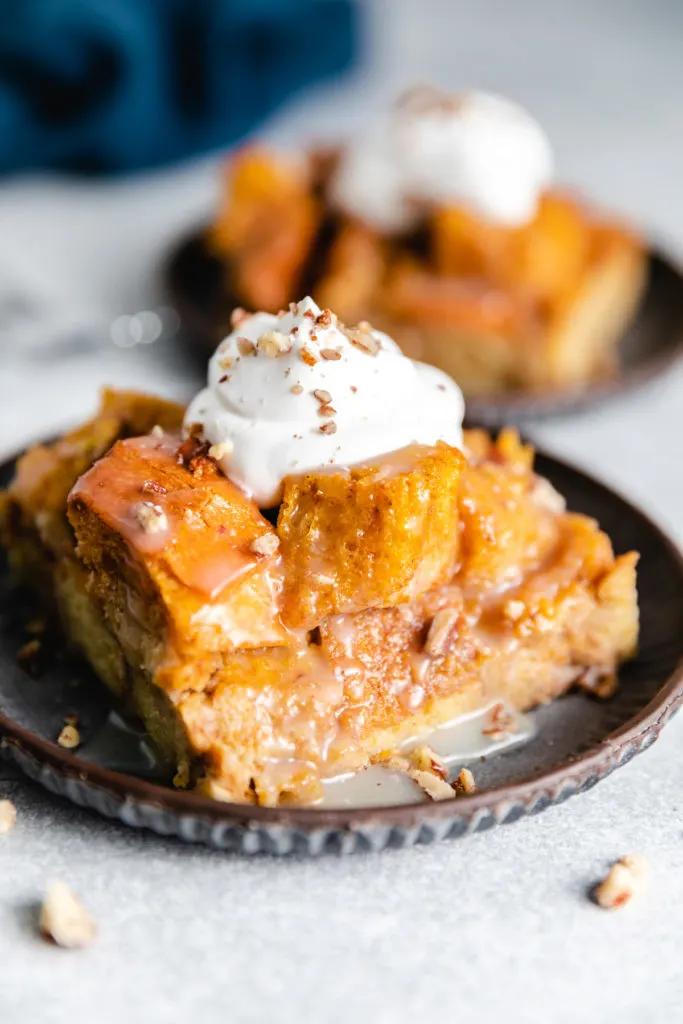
(117, 489)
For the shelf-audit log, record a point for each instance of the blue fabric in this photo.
(113, 85)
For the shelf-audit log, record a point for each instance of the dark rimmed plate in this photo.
(196, 284)
(579, 740)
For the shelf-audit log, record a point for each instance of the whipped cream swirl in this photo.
(299, 391)
(478, 151)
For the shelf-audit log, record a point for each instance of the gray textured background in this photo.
(496, 927)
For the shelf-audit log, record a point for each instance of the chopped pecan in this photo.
(465, 785)
(274, 343)
(193, 455)
(433, 785)
(501, 723)
(307, 356)
(8, 817)
(364, 338)
(441, 632)
(220, 450)
(246, 347)
(152, 487)
(266, 544)
(425, 759)
(599, 682)
(64, 920)
(625, 879)
(150, 517)
(430, 782)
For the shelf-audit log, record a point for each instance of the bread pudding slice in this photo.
(189, 610)
(538, 306)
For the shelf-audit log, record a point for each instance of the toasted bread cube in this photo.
(612, 626)
(539, 306)
(507, 448)
(543, 257)
(547, 256)
(257, 183)
(270, 269)
(354, 271)
(268, 229)
(507, 529)
(465, 245)
(184, 551)
(586, 324)
(371, 536)
(46, 473)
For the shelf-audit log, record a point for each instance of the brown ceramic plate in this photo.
(578, 741)
(196, 284)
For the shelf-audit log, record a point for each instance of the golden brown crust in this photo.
(511, 597)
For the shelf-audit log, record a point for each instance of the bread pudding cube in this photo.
(268, 234)
(46, 473)
(369, 537)
(181, 561)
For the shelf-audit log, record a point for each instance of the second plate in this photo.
(195, 280)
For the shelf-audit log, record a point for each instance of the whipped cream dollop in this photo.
(299, 391)
(479, 151)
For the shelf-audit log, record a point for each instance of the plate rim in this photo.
(501, 408)
(598, 760)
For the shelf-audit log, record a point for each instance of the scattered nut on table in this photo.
(625, 879)
(8, 816)
(64, 920)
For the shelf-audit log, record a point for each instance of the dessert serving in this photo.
(442, 227)
(311, 568)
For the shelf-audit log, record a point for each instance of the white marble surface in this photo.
(496, 927)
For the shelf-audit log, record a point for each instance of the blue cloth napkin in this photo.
(113, 85)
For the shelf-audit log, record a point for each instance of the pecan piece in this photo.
(625, 879)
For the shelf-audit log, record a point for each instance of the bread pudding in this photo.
(280, 609)
(443, 228)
